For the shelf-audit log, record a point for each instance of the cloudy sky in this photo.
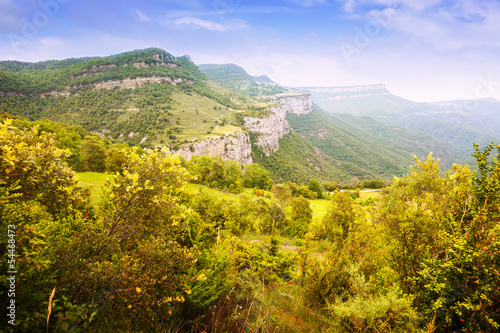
(424, 50)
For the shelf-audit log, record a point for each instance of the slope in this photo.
(375, 160)
(234, 77)
(146, 97)
(415, 143)
(299, 161)
(453, 123)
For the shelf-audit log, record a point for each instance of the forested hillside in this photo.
(204, 246)
(403, 140)
(234, 77)
(145, 97)
(372, 158)
(456, 125)
(149, 98)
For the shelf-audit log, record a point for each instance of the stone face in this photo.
(301, 104)
(271, 128)
(235, 147)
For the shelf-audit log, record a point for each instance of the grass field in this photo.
(319, 208)
(95, 181)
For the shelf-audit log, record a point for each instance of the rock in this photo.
(275, 126)
(235, 147)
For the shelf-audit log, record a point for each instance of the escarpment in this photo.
(234, 146)
(271, 128)
(267, 130)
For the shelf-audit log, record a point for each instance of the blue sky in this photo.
(423, 50)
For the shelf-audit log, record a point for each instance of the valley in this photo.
(151, 194)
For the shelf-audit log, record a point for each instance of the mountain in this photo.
(372, 159)
(146, 97)
(413, 143)
(264, 79)
(234, 77)
(152, 98)
(455, 124)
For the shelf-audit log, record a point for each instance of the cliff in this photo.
(234, 146)
(268, 129)
(271, 128)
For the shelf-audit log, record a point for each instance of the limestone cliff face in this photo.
(271, 128)
(234, 146)
(301, 104)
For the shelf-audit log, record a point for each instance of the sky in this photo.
(423, 50)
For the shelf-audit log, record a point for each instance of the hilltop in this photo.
(146, 97)
(235, 77)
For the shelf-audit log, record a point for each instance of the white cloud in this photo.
(197, 23)
(142, 17)
(194, 22)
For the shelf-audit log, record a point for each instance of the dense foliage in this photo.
(99, 94)
(349, 148)
(160, 251)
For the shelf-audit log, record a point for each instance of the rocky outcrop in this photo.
(271, 128)
(164, 64)
(299, 104)
(234, 146)
(131, 83)
(55, 93)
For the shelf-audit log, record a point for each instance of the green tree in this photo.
(340, 216)
(315, 187)
(282, 194)
(217, 174)
(301, 217)
(42, 203)
(138, 256)
(116, 159)
(233, 176)
(93, 154)
(269, 215)
(255, 176)
(445, 240)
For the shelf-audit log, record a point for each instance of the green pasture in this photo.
(95, 182)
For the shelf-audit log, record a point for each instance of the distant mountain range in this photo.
(152, 98)
(457, 124)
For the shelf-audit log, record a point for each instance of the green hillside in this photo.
(454, 126)
(298, 161)
(234, 77)
(416, 143)
(345, 148)
(151, 98)
(146, 97)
